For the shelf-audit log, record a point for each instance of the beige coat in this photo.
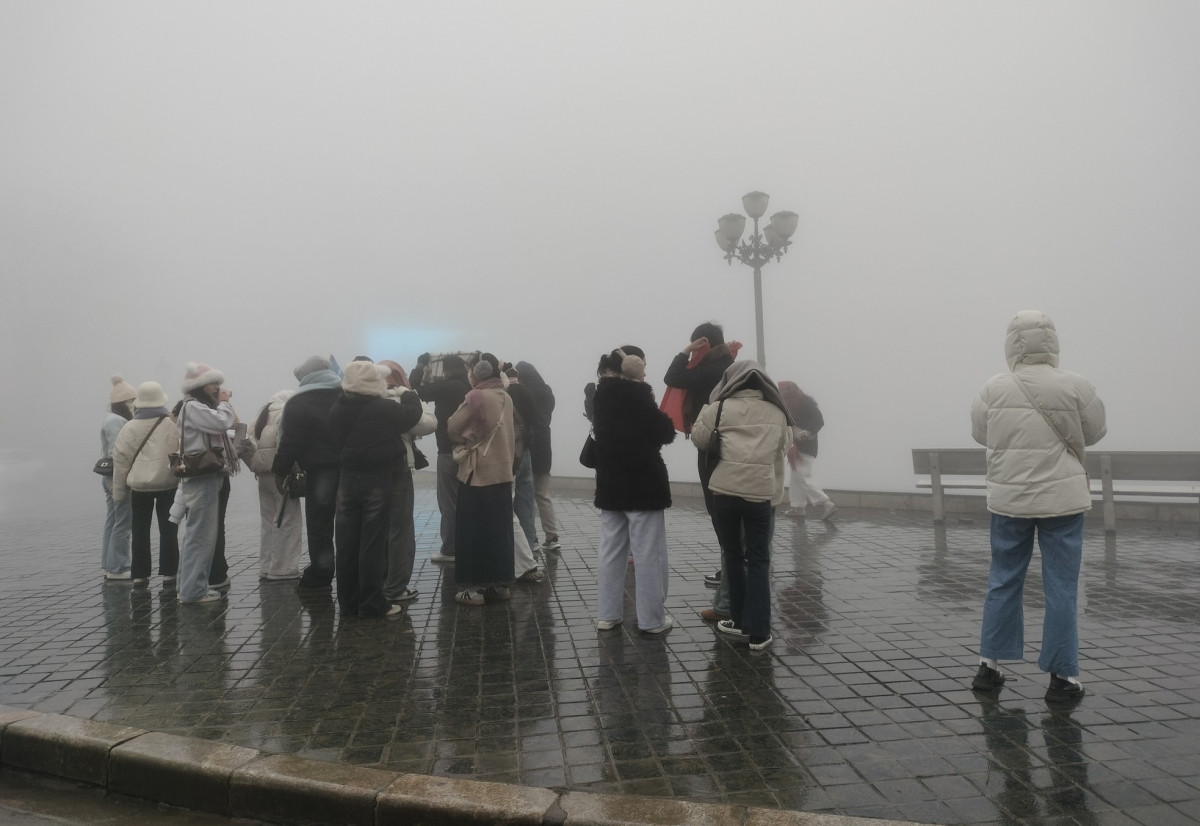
(1031, 474)
(152, 470)
(262, 453)
(755, 436)
(494, 464)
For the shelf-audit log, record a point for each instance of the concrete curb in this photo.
(280, 788)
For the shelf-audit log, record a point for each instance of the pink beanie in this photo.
(198, 374)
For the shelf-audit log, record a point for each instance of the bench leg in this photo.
(935, 482)
(1106, 483)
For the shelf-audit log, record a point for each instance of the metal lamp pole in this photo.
(758, 250)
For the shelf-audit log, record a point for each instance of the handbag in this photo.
(587, 456)
(296, 483)
(420, 461)
(1053, 426)
(712, 453)
(103, 466)
(201, 463)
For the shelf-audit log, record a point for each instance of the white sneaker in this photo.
(497, 592)
(441, 558)
(394, 611)
(551, 546)
(124, 576)
(667, 625)
(280, 577)
(796, 513)
(168, 580)
(140, 580)
(762, 643)
(471, 596)
(828, 509)
(607, 625)
(728, 627)
(211, 596)
(407, 595)
(532, 575)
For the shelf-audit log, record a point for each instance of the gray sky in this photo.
(248, 184)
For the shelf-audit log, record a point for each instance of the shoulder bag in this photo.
(103, 466)
(712, 454)
(1054, 427)
(587, 456)
(201, 463)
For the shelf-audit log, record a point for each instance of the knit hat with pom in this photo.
(150, 394)
(364, 378)
(198, 374)
(122, 391)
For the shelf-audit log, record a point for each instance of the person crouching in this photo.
(368, 430)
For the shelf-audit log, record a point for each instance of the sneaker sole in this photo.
(1064, 696)
(977, 685)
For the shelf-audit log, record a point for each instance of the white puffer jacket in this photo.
(152, 469)
(262, 454)
(754, 438)
(1031, 474)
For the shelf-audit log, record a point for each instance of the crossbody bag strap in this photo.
(138, 452)
(488, 445)
(1053, 426)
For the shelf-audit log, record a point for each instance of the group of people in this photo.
(344, 440)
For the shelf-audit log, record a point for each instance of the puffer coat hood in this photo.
(1031, 473)
(267, 443)
(755, 436)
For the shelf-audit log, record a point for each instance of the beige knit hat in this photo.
(122, 391)
(150, 394)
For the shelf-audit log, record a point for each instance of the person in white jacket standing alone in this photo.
(1036, 421)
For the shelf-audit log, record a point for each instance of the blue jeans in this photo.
(744, 530)
(1060, 539)
(201, 497)
(320, 510)
(364, 502)
(523, 497)
(115, 554)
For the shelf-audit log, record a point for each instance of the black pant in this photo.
(320, 510)
(363, 504)
(744, 530)
(219, 571)
(145, 504)
(705, 475)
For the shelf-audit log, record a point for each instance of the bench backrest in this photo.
(1128, 465)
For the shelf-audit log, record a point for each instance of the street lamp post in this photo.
(761, 247)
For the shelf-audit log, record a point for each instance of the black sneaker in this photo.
(713, 581)
(1062, 690)
(987, 679)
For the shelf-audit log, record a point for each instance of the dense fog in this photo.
(251, 184)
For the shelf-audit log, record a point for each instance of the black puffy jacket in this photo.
(630, 432)
(368, 430)
(543, 398)
(447, 396)
(306, 438)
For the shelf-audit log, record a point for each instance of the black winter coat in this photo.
(808, 417)
(543, 397)
(368, 430)
(524, 415)
(699, 381)
(306, 438)
(630, 432)
(447, 395)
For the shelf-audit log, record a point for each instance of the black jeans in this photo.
(320, 509)
(219, 571)
(363, 504)
(145, 504)
(744, 530)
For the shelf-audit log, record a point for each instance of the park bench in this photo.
(1106, 469)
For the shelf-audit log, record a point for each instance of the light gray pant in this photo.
(644, 534)
(523, 497)
(541, 492)
(201, 497)
(802, 491)
(402, 538)
(116, 555)
(447, 498)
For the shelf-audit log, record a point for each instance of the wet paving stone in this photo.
(861, 707)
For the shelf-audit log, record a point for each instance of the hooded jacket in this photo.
(447, 395)
(306, 439)
(699, 381)
(630, 432)
(369, 430)
(1031, 474)
(543, 398)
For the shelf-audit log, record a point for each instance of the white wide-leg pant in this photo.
(644, 534)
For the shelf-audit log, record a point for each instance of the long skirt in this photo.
(484, 535)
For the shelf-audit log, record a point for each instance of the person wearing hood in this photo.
(205, 420)
(1036, 421)
(281, 533)
(753, 431)
(447, 395)
(540, 453)
(368, 429)
(142, 474)
(402, 536)
(115, 553)
(802, 491)
(633, 491)
(306, 442)
(482, 430)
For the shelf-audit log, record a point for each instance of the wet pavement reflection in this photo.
(861, 707)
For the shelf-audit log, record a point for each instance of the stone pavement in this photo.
(861, 707)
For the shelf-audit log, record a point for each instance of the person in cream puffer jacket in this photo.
(280, 546)
(1036, 483)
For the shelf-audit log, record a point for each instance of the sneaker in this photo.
(141, 580)
(211, 596)
(124, 576)
(712, 615)
(394, 611)
(607, 625)
(713, 580)
(796, 513)
(759, 643)
(1064, 689)
(551, 545)
(987, 679)
(828, 509)
(497, 592)
(442, 558)
(407, 595)
(471, 596)
(532, 575)
(220, 586)
(667, 625)
(728, 627)
(280, 577)
(168, 580)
